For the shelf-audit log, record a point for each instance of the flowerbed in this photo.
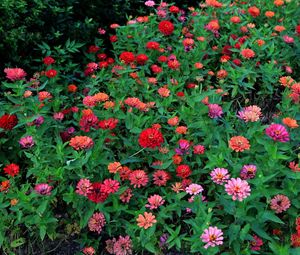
(185, 138)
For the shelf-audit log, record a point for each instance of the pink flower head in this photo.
(58, 116)
(150, 3)
(15, 74)
(155, 201)
(212, 237)
(248, 172)
(123, 246)
(43, 189)
(110, 186)
(219, 175)
(26, 142)
(278, 133)
(288, 39)
(160, 177)
(280, 203)
(250, 113)
(194, 189)
(101, 31)
(214, 111)
(199, 149)
(138, 178)
(88, 250)
(237, 188)
(184, 146)
(83, 187)
(97, 222)
(256, 243)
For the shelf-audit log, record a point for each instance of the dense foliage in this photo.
(184, 138)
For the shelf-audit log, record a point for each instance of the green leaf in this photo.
(150, 247)
(18, 242)
(233, 232)
(267, 215)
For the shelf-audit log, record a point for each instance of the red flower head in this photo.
(152, 45)
(127, 57)
(8, 122)
(166, 27)
(110, 123)
(48, 60)
(12, 169)
(96, 193)
(151, 138)
(51, 73)
(183, 171)
(254, 11)
(141, 59)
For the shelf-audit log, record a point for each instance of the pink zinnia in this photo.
(14, 74)
(237, 188)
(250, 113)
(219, 175)
(155, 201)
(43, 189)
(88, 250)
(110, 186)
(123, 246)
(256, 243)
(199, 149)
(150, 3)
(212, 237)
(138, 178)
(84, 186)
(248, 172)
(215, 111)
(278, 133)
(280, 203)
(26, 142)
(96, 222)
(194, 189)
(160, 177)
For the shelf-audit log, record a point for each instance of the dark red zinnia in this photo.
(96, 193)
(183, 171)
(48, 60)
(166, 27)
(110, 123)
(88, 121)
(8, 122)
(11, 169)
(151, 138)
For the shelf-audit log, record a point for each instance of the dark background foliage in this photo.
(26, 23)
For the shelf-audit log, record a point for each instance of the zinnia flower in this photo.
(280, 203)
(15, 74)
(96, 222)
(278, 133)
(43, 189)
(295, 240)
(248, 53)
(256, 243)
(166, 27)
(150, 3)
(151, 138)
(138, 178)
(8, 122)
(212, 237)
(26, 142)
(183, 171)
(11, 169)
(194, 189)
(215, 111)
(96, 193)
(248, 172)
(219, 175)
(291, 123)
(123, 246)
(239, 143)
(83, 187)
(250, 113)
(81, 142)
(146, 221)
(237, 188)
(114, 167)
(110, 186)
(88, 250)
(160, 177)
(127, 57)
(155, 201)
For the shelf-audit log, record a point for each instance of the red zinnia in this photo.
(48, 60)
(127, 57)
(141, 59)
(151, 138)
(183, 171)
(152, 45)
(96, 193)
(8, 122)
(51, 73)
(11, 169)
(254, 11)
(166, 27)
(110, 123)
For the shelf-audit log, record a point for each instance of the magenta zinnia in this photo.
(278, 133)
(212, 237)
(237, 188)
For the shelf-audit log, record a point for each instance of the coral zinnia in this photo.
(81, 142)
(278, 133)
(151, 138)
(146, 221)
(8, 122)
(239, 143)
(280, 203)
(212, 237)
(138, 178)
(166, 27)
(248, 53)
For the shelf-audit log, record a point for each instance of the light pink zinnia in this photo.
(214, 111)
(250, 113)
(278, 133)
(194, 189)
(123, 246)
(219, 175)
(212, 237)
(26, 142)
(237, 188)
(14, 74)
(280, 203)
(155, 201)
(83, 187)
(97, 222)
(150, 3)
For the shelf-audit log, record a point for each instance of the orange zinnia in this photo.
(114, 167)
(146, 221)
(239, 143)
(291, 123)
(101, 97)
(81, 142)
